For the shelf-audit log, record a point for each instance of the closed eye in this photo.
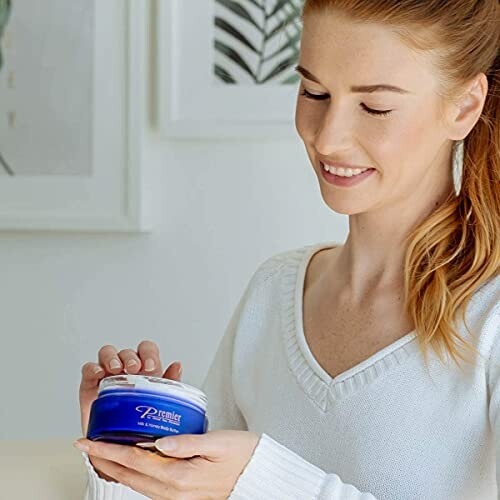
(322, 97)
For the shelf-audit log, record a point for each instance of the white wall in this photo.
(220, 209)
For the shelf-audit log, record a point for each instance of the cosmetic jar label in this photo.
(128, 413)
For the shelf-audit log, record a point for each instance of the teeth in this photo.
(344, 172)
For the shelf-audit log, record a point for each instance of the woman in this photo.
(342, 373)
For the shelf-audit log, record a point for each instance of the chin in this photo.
(344, 207)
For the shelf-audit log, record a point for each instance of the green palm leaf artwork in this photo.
(5, 6)
(4, 17)
(257, 41)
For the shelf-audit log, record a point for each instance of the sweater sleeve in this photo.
(274, 471)
(101, 489)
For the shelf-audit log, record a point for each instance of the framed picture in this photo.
(236, 77)
(71, 111)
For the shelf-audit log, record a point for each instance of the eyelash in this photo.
(315, 97)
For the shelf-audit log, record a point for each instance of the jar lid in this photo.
(157, 385)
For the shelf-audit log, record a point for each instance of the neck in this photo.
(372, 258)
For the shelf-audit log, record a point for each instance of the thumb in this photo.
(189, 445)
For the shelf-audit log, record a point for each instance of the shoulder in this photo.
(280, 264)
(274, 263)
(266, 281)
(485, 301)
(483, 315)
(263, 297)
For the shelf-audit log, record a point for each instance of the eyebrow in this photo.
(379, 87)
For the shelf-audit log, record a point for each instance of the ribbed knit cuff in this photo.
(274, 471)
(101, 489)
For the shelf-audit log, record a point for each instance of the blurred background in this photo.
(219, 207)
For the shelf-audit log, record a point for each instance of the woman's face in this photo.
(408, 147)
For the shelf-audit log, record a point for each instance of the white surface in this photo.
(41, 470)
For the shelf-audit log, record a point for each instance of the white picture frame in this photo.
(112, 197)
(190, 102)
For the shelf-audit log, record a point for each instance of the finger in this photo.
(130, 361)
(207, 445)
(101, 474)
(142, 483)
(174, 371)
(149, 353)
(164, 469)
(92, 374)
(109, 360)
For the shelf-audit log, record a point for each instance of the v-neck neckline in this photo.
(317, 383)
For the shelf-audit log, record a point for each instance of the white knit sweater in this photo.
(384, 429)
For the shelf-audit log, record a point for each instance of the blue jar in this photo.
(133, 409)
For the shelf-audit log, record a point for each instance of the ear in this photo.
(465, 113)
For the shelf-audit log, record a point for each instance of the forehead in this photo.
(335, 48)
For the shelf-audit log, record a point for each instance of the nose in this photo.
(335, 130)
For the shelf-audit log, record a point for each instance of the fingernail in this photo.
(165, 444)
(98, 369)
(114, 364)
(81, 446)
(131, 362)
(179, 373)
(149, 365)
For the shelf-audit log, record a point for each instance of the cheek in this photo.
(406, 153)
(399, 141)
(301, 120)
(307, 119)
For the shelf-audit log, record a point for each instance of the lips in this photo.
(346, 182)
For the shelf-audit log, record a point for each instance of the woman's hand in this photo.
(144, 361)
(204, 465)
